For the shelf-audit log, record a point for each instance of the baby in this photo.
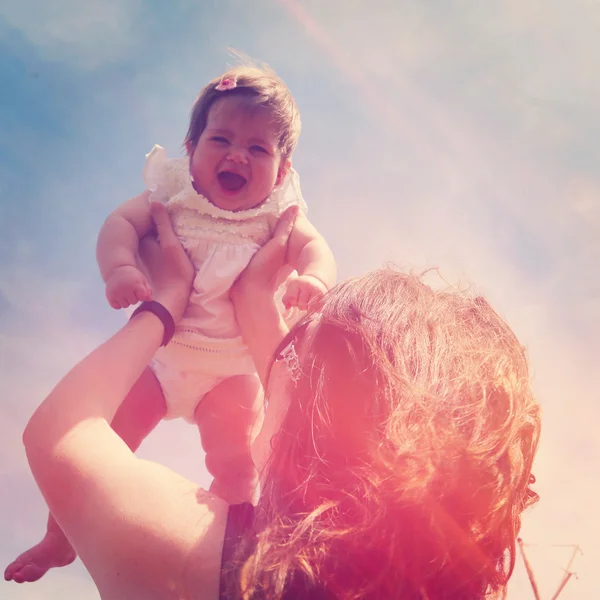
(224, 199)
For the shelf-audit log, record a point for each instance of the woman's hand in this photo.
(168, 267)
(263, 269)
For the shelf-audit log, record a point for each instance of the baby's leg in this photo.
(229, 417)
(137, 416)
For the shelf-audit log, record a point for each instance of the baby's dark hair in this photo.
(259, 86)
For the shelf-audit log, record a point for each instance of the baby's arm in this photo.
(310, 255)
(117, 248)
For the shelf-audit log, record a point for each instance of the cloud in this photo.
(528, 69)
(86, 35)
(585, 197)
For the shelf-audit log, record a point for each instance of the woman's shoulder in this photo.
(206, 520)
(144, 531)
(169, 547)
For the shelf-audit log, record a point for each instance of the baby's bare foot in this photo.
(53, 551)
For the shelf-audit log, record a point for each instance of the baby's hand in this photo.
(127, 285)
(302, 290)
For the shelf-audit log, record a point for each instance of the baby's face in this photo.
(237, 162)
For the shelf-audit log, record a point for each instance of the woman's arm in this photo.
(253, 296)
(135, 524)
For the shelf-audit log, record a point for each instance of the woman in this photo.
(395, 453)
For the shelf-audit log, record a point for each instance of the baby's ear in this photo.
(284, 169)
(189, 147)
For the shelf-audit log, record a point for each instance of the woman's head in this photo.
(243, 130)
(404, 459)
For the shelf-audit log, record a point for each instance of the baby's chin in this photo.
(234, 203)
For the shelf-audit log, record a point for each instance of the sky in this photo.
(454, 134)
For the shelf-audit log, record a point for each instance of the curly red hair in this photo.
(404, 461)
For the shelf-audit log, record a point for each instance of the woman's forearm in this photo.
(94, 388)
(253, 295)
(260, 321)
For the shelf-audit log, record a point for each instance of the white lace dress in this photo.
(207, 346)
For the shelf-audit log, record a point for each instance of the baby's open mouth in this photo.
(232, 182)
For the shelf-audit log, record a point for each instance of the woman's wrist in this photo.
(163, 314)
(260, 322)
(174, 300)
(152, 326)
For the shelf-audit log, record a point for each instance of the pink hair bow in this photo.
(228, 82)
